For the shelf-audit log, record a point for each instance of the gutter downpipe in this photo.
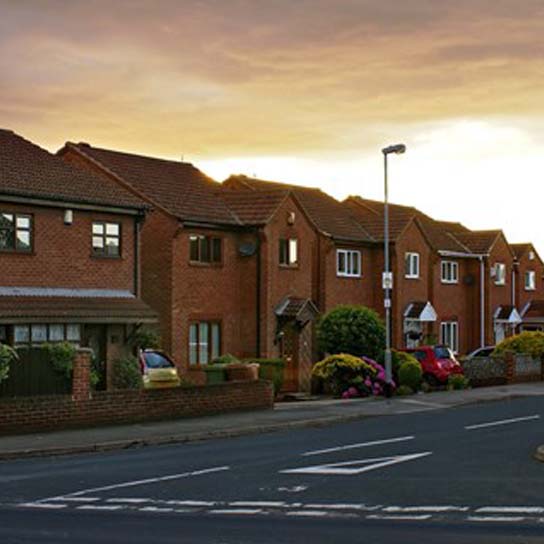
(258, 299)
(482, 302)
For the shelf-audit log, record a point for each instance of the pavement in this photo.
(283, 416)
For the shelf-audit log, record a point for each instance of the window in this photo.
(411, 265)
(530, 280)
(106, 239)
(204, 342)
(204, 249)
(348, 263)
(15, 232)
(449, 334)
(500, 273)
(41, 333)
(288, 251)
(449, 272)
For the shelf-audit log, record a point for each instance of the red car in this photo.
(437, 362)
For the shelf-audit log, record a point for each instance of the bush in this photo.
(62, 357)
(7, 356)
(397, 358)
(145, 338)
(403, 390)
(457, 381)
(226, 359)
(528, 342)
(126, 373)
(410, 374)
(355, 330)
(270, 369)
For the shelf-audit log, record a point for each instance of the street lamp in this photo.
(387, 280)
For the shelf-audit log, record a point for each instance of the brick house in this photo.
(69, 253)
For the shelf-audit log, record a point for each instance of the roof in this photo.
(507, 313)
(420, 311)
(520, 249)
(533, 311)
(479, 241)
(27, 170)
(178, 187)
(253, 207)
(300, 309)
(70, 309)
(326, 213)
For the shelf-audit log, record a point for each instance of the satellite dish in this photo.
(247, 249)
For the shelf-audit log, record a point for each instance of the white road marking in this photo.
(130, 500)
(112, 507)
(359, 445)
(362, 507)
(76, 499)
(294, 489)
(309, 513)
(348, 468)
(191, 503)
(260, 504)
(400, 517)
(501, 422)
(155, 509)
(236, 511)
(503, 519)
(433, 509)
(42, 505)
(423, 403)
(143, 482)
(511, 510)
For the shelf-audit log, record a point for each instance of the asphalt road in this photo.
(457, 475)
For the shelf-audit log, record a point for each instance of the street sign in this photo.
(387, 280)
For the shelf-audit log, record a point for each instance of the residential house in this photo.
(69, 247)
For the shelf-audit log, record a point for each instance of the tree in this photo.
(352, 329)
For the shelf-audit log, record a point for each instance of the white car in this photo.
(481, 352)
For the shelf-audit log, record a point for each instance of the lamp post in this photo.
(387, 279)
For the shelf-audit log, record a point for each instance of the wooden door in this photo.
(289, 351)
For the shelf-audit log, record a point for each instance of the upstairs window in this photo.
(288, 252)
(15, 232)
(449, 272)
(530, 280)
(204, 249)
(500, 274)
(106, 239)
(204, 342)
(411, 265)
(348, 263)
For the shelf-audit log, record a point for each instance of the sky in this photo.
(303, 91)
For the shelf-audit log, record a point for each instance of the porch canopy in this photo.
(54, 305)
(533, 313)
(420, 311)
(507, 314)
(301, 310)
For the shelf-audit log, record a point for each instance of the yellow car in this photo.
(158, 370)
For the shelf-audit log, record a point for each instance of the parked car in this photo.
(437, 362)
(481, 352)
(158, 370)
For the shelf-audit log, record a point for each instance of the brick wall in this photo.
(62, 254)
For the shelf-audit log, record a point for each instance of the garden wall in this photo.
(83, 409)
(485, 371)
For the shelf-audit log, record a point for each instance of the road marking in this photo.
(501, 422)
(263, 504)
(112, 507)
(236, 511)
(155, 509)
(309, 513)
(294, 489)
(128, 500)
(359, 445)
(400, 517)
(503, 519)
(423, 403)
(433, 509)
(348, 468)
(76, 499)
(511, 510)
(362, 507)
(142, 482)
(42, 505)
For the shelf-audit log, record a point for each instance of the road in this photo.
(451, 475)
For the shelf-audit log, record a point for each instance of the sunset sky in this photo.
(303, 91)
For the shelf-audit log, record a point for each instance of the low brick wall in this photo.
(28, 414)
(483, 371)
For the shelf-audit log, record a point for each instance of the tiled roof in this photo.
(534, 310)
(327, 214)
(32, 309)
(27, 170)
(253, 207)
(520, 249)
(478, 241)
(178, 187)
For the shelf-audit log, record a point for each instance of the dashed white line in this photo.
(359, 445)
(502, 519)
(501, 422)
(360, 507)
(309, 513)
(433, 509)
(129, 500)
(107, 508)
(52, 506)
(510, 510)
(76, 499)
(236, 511)
(155, 509)
(260, 504)
(406, 517)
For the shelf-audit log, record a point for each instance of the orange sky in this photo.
(304, 91)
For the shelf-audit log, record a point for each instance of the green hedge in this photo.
(270, 369)
(528, 342)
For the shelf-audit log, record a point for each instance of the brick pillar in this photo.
(510, 366)
(81, 376)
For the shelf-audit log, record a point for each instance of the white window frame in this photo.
(449, 334)
(449, 272)
(500, 274)
(352, 262)
(411, 265)
(530, 280)
(290, 258)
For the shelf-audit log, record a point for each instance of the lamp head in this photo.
(398, 149)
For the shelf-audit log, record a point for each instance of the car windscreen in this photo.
(443, 352)
(156, 360)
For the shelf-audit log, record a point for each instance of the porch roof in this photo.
(300, 309)
(420, 311)
(533, 312)
(507, 314)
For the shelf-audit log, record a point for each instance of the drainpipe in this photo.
(482, 302)
(513, 286)
(258, 298)
(137, 227)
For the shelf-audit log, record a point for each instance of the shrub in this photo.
(349, 376)
(145, 338)
(225, 359)
(397, 358)
(528, 342)
(62, 357)
(410, 374)
(355, 330)
(457, 381)
(7, 356)
(403, 390)
(126, 373)
(270, 369)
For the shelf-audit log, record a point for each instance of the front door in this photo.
(289, 351)
(94, 337)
